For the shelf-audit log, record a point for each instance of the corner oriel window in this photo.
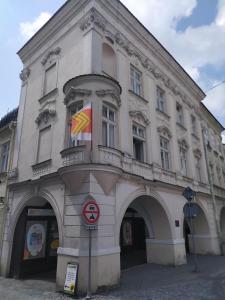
(108, 126)
(164, 153)
(138, 142)
(136, 81)
(4, 157)
(73, 110)
(160, 97)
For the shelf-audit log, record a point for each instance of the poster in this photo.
(127, 233)
(35, 240)
(71, 278)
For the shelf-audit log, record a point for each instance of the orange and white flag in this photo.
(81, 127)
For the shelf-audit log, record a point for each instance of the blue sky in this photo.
(193, 31)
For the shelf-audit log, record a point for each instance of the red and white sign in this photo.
(91, 212)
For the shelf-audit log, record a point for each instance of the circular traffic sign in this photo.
(91, 212)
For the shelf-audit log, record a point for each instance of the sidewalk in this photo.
(146, 282)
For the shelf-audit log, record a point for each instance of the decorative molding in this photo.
(112, 93)
(131, 50)
(164, 131)
(42, 167)
(46, 111)
(50, 54)
(24, 74)
(93, 18)
(183, 143)
(197, 153)
(139, 115)
(51, 94)
(12, 174)
(73, 93)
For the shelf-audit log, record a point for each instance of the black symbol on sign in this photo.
(92, 217)
(92, 208)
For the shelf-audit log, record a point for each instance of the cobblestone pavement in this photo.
(146, 282)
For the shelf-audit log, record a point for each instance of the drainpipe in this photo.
(12, 127)
(212, 190)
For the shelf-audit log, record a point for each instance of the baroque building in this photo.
(147, 146)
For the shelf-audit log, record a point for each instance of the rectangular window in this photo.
(44, 144)
(164, 153)
(138, 142)
(198, 168)
(4, 157)
(108, 126)
(50, 79)
(183, 161)
(136, 79)
(180, 114)
(160, 94)
(73, 110)
(193, 124)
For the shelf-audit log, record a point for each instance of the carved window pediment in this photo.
(164, 131)
(183, 143)
(46, 112)
(139, 117)
(51, 56)
(74, 95)
(114, 96)
(197, 153)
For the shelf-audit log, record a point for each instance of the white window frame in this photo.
(165, 153)
(4, 158)
(139, 134)
(136, 83)
(180, 114)
(183, 160)
(160, 99)
(109, 124)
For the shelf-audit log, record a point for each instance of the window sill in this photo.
(48, 95)
(163, 113)
(41, 165)
(138, 96)
(181, 126)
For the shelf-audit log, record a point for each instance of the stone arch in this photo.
(28, 199)
(108, 60)
(138, 194)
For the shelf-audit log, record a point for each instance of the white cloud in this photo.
(215, 100)
(28, 29)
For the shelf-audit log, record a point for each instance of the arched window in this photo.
(108, 60)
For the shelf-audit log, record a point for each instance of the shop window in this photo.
(108, 60)
(161, 99)
(108, 126)
(4, 157)
(136, 81)
(44, 145)
(138, 142)
(164, 153)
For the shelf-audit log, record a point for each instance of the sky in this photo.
(193, 31)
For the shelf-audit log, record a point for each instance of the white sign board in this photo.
(71, 278)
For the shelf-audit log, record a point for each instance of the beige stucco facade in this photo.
(90, 48)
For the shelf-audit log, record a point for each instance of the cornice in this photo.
(93, 18)
(143, 36)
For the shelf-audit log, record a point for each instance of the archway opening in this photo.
(35, 242)
(186, 232)
(133, 234)
(144, 233)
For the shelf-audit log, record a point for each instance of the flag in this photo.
(81, 125)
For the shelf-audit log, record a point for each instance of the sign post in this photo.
(191, 211)
(91, 213)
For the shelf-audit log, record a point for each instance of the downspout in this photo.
(212, 191)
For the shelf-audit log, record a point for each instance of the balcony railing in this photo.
(74, 155)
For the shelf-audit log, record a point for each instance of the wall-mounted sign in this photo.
(35, 241)
(71, 278)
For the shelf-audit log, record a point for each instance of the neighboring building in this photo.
(147, 147)
(7, 134)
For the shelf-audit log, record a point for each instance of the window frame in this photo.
(183, 161)
(160, 99)
(135, 82)
(179, 114)
(109, 124)
(165, 153)
(73, 109)
(4, 157)
(141, 138)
